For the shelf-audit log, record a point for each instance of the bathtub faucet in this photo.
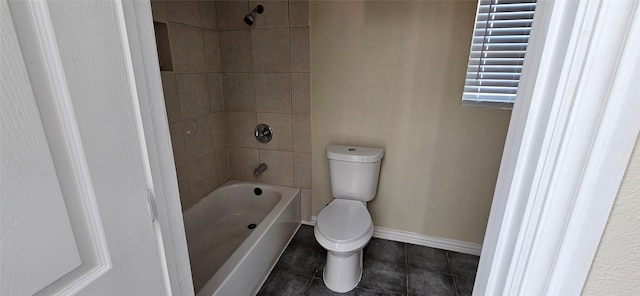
(261, 168)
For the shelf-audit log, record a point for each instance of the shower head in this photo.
(249, 17)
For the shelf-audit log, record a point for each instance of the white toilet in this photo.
(344, 226)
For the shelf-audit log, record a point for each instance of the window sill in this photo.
(485, 104)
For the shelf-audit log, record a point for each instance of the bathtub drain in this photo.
(251, 226)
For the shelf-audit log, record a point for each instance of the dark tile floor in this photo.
(390, 268)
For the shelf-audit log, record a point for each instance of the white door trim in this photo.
(146, 69)
(572, 132)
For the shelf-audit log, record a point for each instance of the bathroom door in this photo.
(74, 210)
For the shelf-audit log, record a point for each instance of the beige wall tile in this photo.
(203, 175)
(184, 187)
(211, 50)
(299, 13)
(238, 91)
(159, 11)
(177, 143)
(187, 49)
(300, 49)
(219, 130)
(230, 15)
(271, 50)
(282, 132)
(198, 136)
(300, 93)
(301, 133)
(184, 12)
(273, 92)
(214, 81)
(171, 101)
(208, 14)
(305, 204)
(222, 159)
(242, 162)
(193, 94)
(276, 14)
(223, 142)
(280, 167)
(240, 127)
(235, 51)
(302, 170)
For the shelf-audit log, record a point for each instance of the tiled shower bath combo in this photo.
(221, 78)
(222, 75)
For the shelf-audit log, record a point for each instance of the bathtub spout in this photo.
(261, 168)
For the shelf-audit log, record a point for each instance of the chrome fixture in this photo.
(264, 133)
(261, 168)
(249, 17)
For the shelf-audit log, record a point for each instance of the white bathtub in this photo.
(228, 258)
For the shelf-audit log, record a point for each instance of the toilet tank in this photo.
(354, 171)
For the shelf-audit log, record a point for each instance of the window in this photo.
(500, 38)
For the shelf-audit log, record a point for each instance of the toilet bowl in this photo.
(344, 226)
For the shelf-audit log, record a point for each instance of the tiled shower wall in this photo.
(224, 77)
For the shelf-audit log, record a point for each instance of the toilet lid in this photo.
(344, 221)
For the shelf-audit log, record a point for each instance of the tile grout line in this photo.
(455, 286)
(306, 291)
(406, 268)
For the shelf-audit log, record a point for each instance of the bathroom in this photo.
(92, 124)
(381, 74)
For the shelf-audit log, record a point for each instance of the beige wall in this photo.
(616, 267)
(390, 74)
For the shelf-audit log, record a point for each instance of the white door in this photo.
(74, 175)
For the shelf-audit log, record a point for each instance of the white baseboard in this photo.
(420, 239)
(428, 241)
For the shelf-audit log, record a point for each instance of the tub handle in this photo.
(264, 133)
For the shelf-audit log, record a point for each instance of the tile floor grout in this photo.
(452, 277)
(406, 268)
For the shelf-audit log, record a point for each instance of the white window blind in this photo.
(500, 38)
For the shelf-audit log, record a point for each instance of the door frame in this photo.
(568, 130)
(572, 131)
(140, 33)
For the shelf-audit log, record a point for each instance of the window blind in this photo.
(500, 38)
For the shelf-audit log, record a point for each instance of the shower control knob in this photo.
(263, 133)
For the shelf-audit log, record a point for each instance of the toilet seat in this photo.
(344, 222)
